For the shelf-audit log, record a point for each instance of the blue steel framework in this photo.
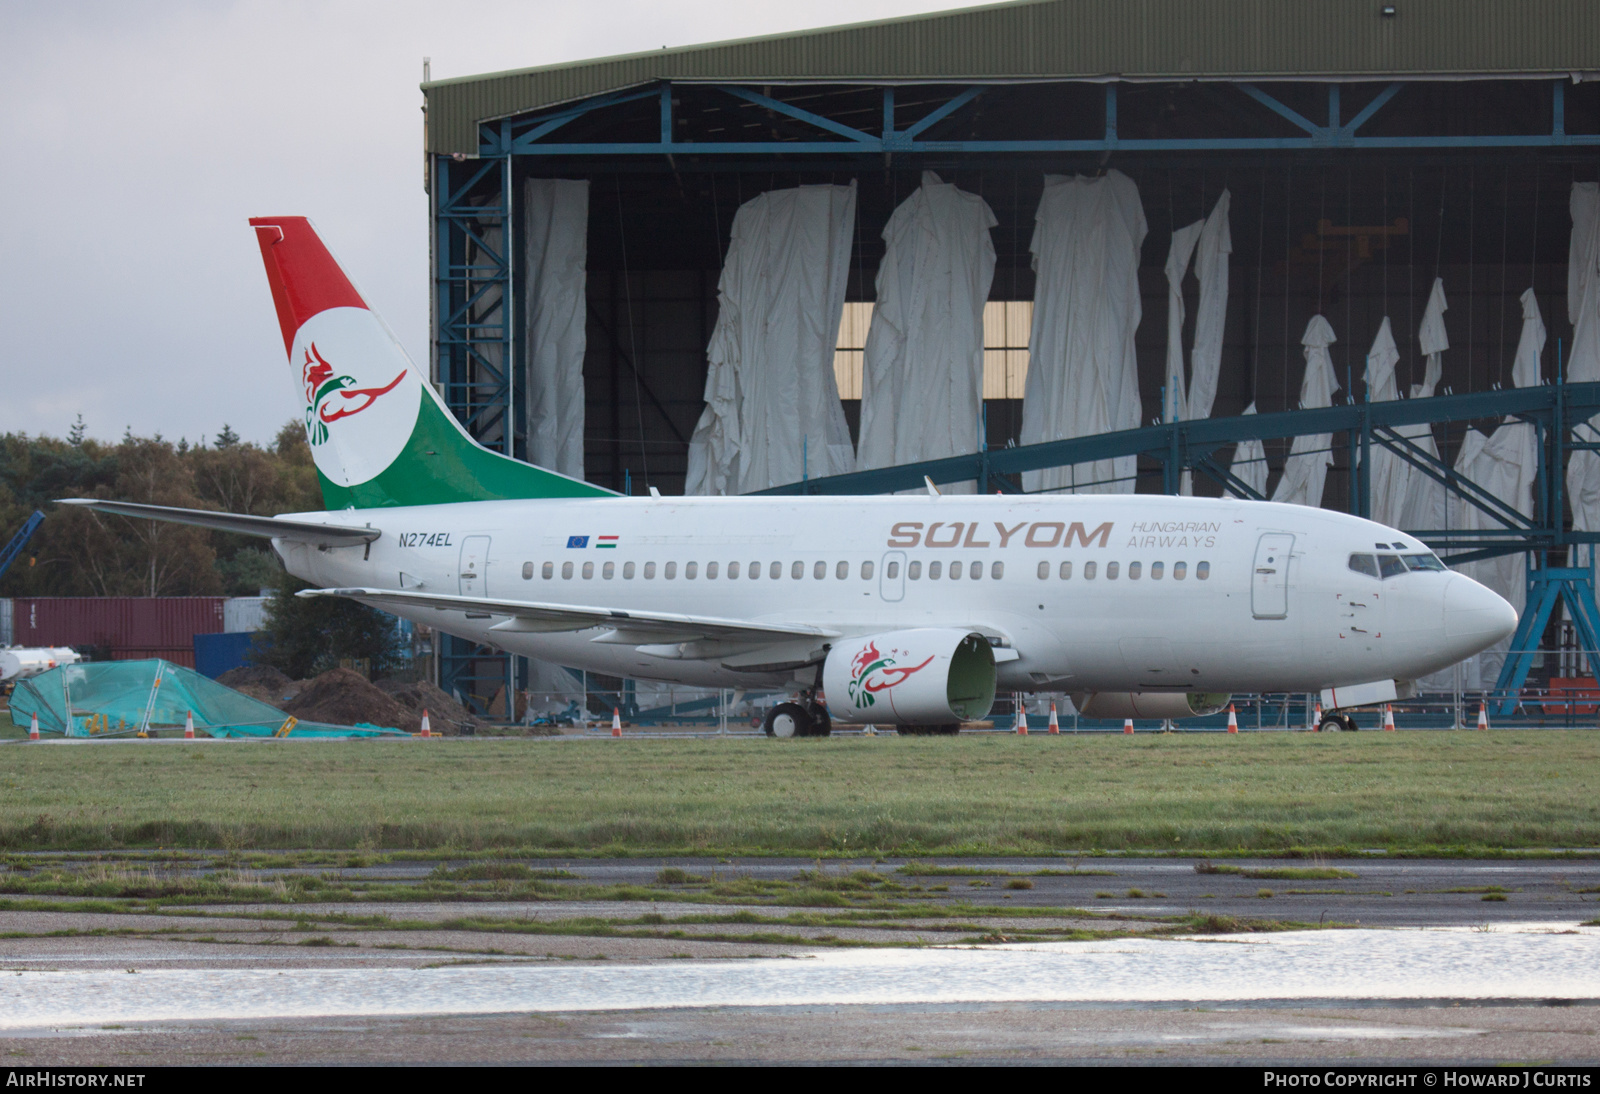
(472, 358)
(476, 359)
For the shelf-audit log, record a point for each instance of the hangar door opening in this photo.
(1269, 579)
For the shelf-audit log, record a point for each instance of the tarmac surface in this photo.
(1435, 973)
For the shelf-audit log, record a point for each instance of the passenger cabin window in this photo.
(649, 571)
(997, 571)
(608, 571)
(1088, 571)
(1044, 571)
(776, 570)
(1111, 571)
(842, 571)
(1390, 565)
(527, 571)
(1156, 569)
(797, 571)
(819, 571)
(975, 571)
(755, 571)
(866, 570)
(1180, 570)
(1202, 571)
(691, 570)
(891, 571)
(711, 571)
(733, 570)
(548, 570)
(934, 570)
(627, 571)
(914, 571)
(588, 570)
(670, 571)
(1423, 562)
(566, 571)
(1134, 569)
(1066, 571)
(955, 571)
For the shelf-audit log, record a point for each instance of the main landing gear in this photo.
(1333, 722)
(807, 718)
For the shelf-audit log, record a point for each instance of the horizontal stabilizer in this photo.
(302, 531)
(658, 627)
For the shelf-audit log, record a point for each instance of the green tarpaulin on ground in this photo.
(119, 698)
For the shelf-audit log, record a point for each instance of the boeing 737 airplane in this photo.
(907, 610)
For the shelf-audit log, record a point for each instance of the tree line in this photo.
(77, 552)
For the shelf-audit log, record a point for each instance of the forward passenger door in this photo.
(1269, 577)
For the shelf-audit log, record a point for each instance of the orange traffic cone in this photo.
(1127, 725)
(188, 726)
(1055, 726)
(1483, 716)
(1233, 720)
(616, 722)
(1021, 718)
(33, 727)
(1388, 718)
(427, 728)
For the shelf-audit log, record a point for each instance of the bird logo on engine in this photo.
(872, 672)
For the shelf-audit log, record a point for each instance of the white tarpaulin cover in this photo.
(1424, 508)
(1250, 463)
(1082, 375)
(1506, 465)
(1583, 309)
(922, 376)
(555, 264)
(1211, 268)
(1390, 475)
(1175, 403)
(772, 413)
(1310, 456)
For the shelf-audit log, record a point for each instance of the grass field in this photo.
(1458, 792)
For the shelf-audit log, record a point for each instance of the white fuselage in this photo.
(1266, 601)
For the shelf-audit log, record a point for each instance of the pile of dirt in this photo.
(445, 715)
(343, 697)
(262, 682)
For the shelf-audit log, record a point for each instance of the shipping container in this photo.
(244, 613)
(128, 628)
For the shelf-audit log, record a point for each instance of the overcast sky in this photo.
(137, 139)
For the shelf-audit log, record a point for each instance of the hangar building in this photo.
(1191, 182)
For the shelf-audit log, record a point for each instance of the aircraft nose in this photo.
(1475, 618)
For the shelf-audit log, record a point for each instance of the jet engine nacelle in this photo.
(928, 676)
(1149, 704)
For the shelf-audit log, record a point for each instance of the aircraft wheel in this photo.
(788, 720)
(821, 722)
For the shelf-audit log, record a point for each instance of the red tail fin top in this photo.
(304, 275)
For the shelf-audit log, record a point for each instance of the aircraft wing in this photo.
(630, 627)
(305, 531)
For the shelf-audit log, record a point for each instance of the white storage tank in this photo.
(20, 662)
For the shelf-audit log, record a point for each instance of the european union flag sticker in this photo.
(577, 541)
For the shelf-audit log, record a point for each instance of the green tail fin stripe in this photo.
(441, 464)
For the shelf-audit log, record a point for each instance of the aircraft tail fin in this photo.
(379, 433)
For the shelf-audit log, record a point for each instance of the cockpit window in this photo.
(1390, 565)
(1364, 564)
(1423, 562)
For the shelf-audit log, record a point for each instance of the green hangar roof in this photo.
(1075, 40)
